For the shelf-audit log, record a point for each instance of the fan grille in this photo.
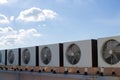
(46, 55)
(73, 54)
(0, 57)
(11, 57)
(26, 56)
(111, 52)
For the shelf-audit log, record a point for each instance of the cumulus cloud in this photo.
(36, 14)
(3, 1)
(9, 36)
(12, 18)
(3, 19)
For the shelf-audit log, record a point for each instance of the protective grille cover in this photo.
(28, 56)
(111, 52)
(46, 55)
(12, 57)
(73, 54)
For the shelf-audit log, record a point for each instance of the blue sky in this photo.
(37, 22)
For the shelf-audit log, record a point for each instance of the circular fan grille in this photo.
(73, 54)
(26, 56)
(0, 57)
(111, 52)
(46, 55)
(11, 57)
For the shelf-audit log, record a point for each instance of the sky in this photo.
(26, 23)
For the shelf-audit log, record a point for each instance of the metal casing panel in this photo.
(86, 59)
(101, 41)
(2, 57)
(57, 55)
(16, 57)
(32, 61)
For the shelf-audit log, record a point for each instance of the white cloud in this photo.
(3, 19)
(3, 1)
(12, 18)
(9, 36)
(36, 14)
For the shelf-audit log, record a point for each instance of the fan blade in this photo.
(76, 56)
(115, 43)
(75, 49)
(117, 49)
(43, 57)
(108, 45)
(115, 57)
(77, 59)
(45, 60)
(106, 54)
(70, 52)
(71, 58)
(48, 55)
(111, 44)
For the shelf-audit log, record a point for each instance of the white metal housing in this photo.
(88, 50)
(32, 60)
(101, 42)
(56, 55)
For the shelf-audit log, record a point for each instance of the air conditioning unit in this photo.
(109, 51)
(13, 57)
(28, 56)
(80, 53)
(51, 55)
(2, 57)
